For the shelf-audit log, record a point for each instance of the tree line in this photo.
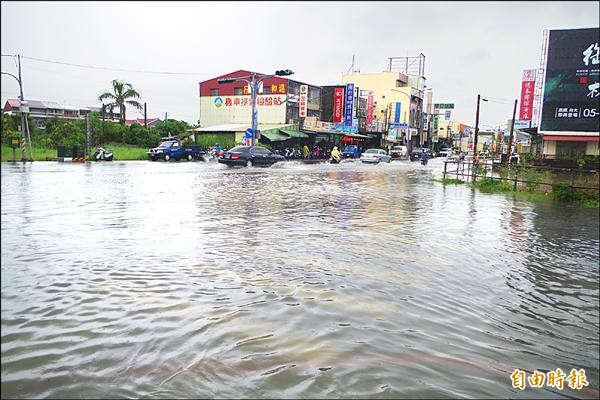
(61, 132)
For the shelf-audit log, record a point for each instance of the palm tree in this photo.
(121, 94)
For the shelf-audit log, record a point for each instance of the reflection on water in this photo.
(132, 279)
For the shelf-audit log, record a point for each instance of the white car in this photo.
(444, 152)
(375, 156)
(399, 152)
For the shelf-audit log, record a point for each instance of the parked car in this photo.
(399, 152)
(173, 148)
(250, 156)
(375, 156)
(416, 153)
(351, 151)
(444, 152)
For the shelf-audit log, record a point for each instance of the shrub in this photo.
(563, 192)
(492, 185)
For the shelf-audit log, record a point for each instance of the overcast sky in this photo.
(470, 47)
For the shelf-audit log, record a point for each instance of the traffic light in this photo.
(283, 72)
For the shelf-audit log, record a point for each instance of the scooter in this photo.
(334, 160)
(212, 155)
(101, 154)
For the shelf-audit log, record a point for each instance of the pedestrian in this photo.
(318, 152)
(305, 151)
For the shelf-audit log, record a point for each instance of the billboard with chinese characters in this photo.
(217, 110)
(370, 108)
(349, 104)
(303, 100)
(527, 90)
(570, 102)
(338, 105)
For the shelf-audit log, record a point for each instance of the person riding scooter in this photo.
(336, 156)
(424, 157)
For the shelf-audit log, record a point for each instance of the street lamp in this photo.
(253, 83)
(409, 101)
(479, 98)
(22, 107)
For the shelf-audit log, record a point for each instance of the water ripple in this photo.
(162, 280)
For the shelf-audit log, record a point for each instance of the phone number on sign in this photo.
(568, 112)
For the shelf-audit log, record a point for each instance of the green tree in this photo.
(171, 127)
(9, 127)
(122, 94)
(59, 132)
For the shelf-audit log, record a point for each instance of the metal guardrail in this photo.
(471, 174)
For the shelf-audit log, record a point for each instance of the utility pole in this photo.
(23, 116)
(165, 115)
(23, 110)
(475, 137)
(145, 117)
(254, 109)
(510, 137)
(88, 136)
(253, 84)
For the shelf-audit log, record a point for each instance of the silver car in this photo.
(375, 156)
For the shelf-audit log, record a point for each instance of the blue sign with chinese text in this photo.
(349, 105)
(397, 114)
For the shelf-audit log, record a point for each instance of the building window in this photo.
(238, 91)
(214, 92)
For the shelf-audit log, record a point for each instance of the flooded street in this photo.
(161, 280)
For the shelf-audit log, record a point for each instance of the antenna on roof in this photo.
(352, 66)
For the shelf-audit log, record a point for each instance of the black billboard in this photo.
(571, 101)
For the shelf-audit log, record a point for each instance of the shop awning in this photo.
(356, 136)
(572, 138)
(294, 134)
(274, 136)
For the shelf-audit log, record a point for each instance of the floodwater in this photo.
(160, 280)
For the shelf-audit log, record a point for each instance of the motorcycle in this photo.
(334, 160)
(101, 154)
(212, 155)
(424, 161)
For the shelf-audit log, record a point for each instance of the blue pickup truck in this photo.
(172, 148)
(351, 151)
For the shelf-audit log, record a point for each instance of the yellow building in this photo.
(388, 89)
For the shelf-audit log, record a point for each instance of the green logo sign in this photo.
(218, 102)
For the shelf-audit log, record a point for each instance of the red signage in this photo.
(338, 102)
(527, 90)
(369, 109)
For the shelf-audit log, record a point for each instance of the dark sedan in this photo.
(417, 153)
(250, 156)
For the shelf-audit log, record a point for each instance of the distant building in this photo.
(150, 122)
(227, 108)
(41, 110)
(397, 103)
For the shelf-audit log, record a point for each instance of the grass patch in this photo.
(39, 153)
(448, 181)
(121, 152)
(124, 152)
(562, 193)
(489, 185)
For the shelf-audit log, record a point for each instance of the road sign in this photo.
(249, 133)
(447, 116)
(443, 106)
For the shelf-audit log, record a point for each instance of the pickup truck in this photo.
(173, 148)
(351, 151)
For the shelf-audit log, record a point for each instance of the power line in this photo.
(117, 69)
